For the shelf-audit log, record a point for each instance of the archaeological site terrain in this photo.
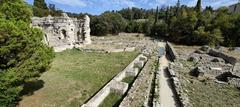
(119, 53)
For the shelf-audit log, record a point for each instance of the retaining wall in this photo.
(115, 85)
(171, 51)
(138, 95)
(224, 56)
(182, 99)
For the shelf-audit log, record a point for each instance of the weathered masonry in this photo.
(64, 32)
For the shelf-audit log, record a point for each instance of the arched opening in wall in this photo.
(64, 33)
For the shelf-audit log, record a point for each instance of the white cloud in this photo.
(123, 3)
(219, 3)
(74, 3)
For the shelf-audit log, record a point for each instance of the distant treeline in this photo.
(180, 23)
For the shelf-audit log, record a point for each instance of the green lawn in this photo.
(75, 76)
(128, 79)
(111, 100)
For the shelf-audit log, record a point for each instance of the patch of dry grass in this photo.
(207, 93)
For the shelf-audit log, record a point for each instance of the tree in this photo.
(108, 23)
(40, 8)
(178, 8)
(23, 56)
(15, 11)
(156, 16)
(198, 7)
(53, 11)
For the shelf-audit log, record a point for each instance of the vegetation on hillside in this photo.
(179, 23)
(23, 56)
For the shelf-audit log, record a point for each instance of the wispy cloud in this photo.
(74, 3)
(219, 3)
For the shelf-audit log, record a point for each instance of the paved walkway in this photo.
(166, 94)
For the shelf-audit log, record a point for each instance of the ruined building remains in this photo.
(64, 32)
(235, 8)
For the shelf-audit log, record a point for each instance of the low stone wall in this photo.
(235, 82)
(115, 85)
(224, 56)
(236, 69)
(62, 48)
(138, 95)
(182, 98)
(171, 51)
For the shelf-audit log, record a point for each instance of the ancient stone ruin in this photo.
(64, 32)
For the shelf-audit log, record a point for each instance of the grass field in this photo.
(111, 100)
(128, 79)
(75, 76)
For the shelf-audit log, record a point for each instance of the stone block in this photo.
(198, 71)
(143, 58)
(224, 56)
(118, 87)
(235, 82)
(236, 69)
(138, 64)
(129, 49)
(205, 48)
(132, 72)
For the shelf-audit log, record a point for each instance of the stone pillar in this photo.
(86, 30)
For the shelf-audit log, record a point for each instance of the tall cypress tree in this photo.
(156, 16)
(198, 7)
(40, 8)
(178, 8)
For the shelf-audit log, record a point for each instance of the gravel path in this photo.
(166, 94)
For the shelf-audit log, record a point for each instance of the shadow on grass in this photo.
(30, 87)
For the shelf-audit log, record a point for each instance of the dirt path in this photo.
(166, 94)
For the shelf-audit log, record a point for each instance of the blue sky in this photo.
(96, 7)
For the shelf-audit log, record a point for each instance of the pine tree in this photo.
(198, 7)
(23, 56)
(40, 8)
(40, 4)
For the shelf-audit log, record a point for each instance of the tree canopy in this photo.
(40, 8)
(23, 56)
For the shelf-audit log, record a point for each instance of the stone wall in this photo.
(138, 95)
(115, 85)
(224, 56)
(63, 32)
(235, 82)
(171, 51)
(183, 98)
(236, 69)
